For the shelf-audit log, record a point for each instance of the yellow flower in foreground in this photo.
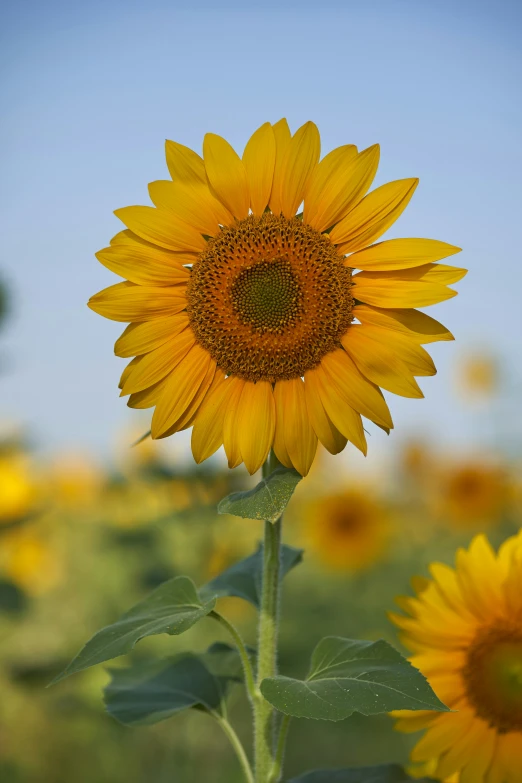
(465, 630)
(247, 321)
(347, 531)
(472, 493)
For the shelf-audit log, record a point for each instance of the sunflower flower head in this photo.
(348, 530)
(473, 493)
(247, 320)
(464, 628)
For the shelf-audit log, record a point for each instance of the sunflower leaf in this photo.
(267, 500)
(243, 579)
(172, 608)
(385, 773)
(348, 676)
(150, 692)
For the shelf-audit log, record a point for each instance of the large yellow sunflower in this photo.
(465, 630)
(247, 321)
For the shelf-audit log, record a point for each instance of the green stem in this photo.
(264, 724)
(238, 747)
(243, 653)
(277, 767)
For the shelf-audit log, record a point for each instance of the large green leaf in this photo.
(267, 500)
(172, 608)
(349, 676)
(151, 692)
(386, 773)
(243, 579)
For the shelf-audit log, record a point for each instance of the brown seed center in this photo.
(493, 675)
(269, 297)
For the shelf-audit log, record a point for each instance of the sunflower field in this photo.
(82, 540)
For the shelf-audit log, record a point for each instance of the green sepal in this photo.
(243, 579)
(267, 500)
(348, 676)
(147, 693)
(172, 608)
(385, 773)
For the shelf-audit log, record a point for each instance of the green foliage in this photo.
(267, 500)
(12, 599)
(150, 692)
(348, 676)
(172, 608)
(243, 579)
(387, 773)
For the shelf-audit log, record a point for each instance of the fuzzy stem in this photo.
(264, 714)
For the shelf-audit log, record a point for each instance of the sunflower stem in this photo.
(238, 747)
(264, 713)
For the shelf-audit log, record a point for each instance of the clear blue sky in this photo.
(90, 91)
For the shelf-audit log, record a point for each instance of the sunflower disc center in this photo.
(493, 676)
(269, 297)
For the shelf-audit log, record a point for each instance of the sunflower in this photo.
(30, 559)
(18, 487)
(347, 530)
(471, 493)
(247, 321)
(479, 377)
(465, 630)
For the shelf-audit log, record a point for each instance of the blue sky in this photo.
(90, 91)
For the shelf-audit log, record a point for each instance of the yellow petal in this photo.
(327, 433)
(181, 388)
(144, 265)
(188, 415)
(427, 273)
(325, 174)
(191, 204)
(360, 393)
(207, 433)
(377, 362)
(373, 215)
(256, 423)
(282, 138)
(400, 254)
(259, 160)
(187, 168)
(344, 418)
(344, 189)
(129, 238)
(159, 362)
(143, 337)
(417, 325)
(292, 416)
(184, 164)
(161, 227)
(382, 292)
(147, 398)
(403, 347)
(226, 174)
(442, 735)
(129, 302)
(230, 428)
(127, 371)
(300, 161)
